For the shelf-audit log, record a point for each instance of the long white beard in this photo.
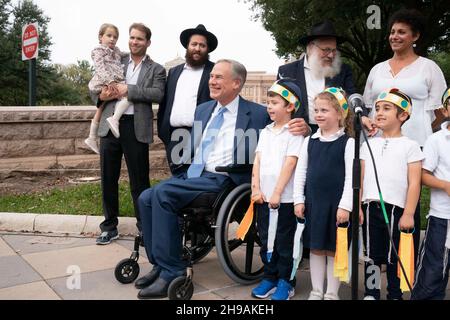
(320, 71)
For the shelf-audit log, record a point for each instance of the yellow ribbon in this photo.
(246, 222)
(406, 256)
(341, 256)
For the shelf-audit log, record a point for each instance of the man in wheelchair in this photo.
(230, 127)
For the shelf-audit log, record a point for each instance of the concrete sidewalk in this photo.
(42, 265)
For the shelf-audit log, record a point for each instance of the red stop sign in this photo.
(30, 41)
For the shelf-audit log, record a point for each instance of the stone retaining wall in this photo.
(52, 137)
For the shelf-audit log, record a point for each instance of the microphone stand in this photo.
(356, 185)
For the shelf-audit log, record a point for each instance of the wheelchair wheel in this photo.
(180, 290)
(239, 259)
(127, 270)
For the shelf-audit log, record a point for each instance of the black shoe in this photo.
(148, 279)
(107, 236)
(157, 290)
(141, 237)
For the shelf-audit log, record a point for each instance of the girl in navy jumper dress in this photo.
(323, 187)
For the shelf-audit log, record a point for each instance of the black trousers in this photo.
(433, 265)
(178, 148)
(281, 263)
(377, 245)
(137, 160)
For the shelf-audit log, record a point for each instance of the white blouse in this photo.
(346, 201)
(423, 81)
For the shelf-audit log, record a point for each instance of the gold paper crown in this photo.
(392, 95)
(445, 97)
(285, 94)
(339, 95)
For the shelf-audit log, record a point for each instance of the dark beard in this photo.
(196, 63)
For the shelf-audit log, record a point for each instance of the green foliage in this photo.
(55, 85)
(15, 87)
(79, 200)
(443, 60)
(424, 207)
(77, 77)
(289, 20)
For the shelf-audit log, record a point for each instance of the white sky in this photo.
(74, 26)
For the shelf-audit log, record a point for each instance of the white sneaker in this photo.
(315, 295)
(114, 126)
(92, 143)
(331, 296)
(369, 298)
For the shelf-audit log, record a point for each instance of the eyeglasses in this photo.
(326, 51)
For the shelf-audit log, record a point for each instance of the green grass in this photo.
(86, 199)
(78, 200)
(424, 206)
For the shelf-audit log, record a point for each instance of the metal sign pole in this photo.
(32, 82)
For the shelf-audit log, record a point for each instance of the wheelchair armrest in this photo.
(235, 168)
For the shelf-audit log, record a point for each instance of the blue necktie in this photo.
(196, 168)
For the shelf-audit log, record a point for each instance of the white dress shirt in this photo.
(437, 161)
(274, 146)
(132, 76)
(223, 148)
(314, 86)
(346, 201)
(185, 99)
(392, 156)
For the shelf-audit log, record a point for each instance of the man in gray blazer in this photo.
(145, 81)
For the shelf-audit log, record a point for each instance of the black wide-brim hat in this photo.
(323, 29)
(201, 30)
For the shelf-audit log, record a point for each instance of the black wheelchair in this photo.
(210, 219)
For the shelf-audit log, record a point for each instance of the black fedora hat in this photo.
(321, 30)
(201, 30)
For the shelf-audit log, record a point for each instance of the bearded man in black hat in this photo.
(186, 88)
(320, 68)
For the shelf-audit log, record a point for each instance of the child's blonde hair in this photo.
(103, 29)
(345, 122)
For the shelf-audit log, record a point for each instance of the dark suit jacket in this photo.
(165, 108)
(296, 70)
(148, 89)
(251, 119)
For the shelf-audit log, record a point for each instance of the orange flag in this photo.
(406, 256)
(246, 222)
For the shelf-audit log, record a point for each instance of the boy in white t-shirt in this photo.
(399, 162)
(272, 191)
(433, 265)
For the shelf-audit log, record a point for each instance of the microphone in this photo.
(356, 102)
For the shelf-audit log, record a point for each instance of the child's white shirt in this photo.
(437, 161)
(273, 148)
(346, 201)
(392, 156)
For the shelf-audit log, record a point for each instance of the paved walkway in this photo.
(35, 266)
(73, 267)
